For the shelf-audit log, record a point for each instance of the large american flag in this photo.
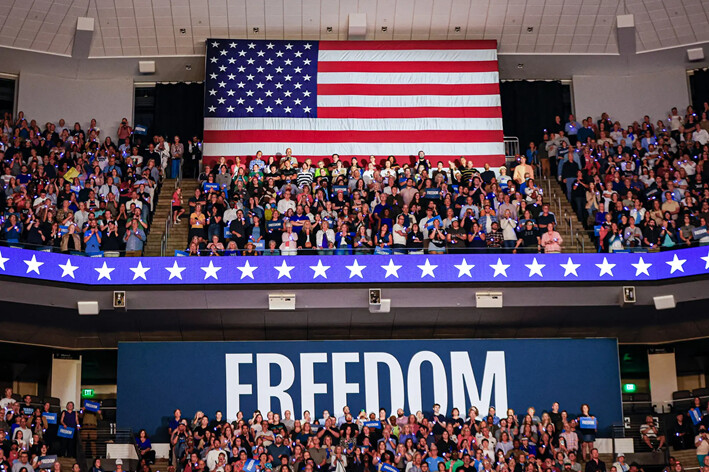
(354, 98)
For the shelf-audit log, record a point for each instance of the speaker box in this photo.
(695, 54)
(146, 67)
(357, 25)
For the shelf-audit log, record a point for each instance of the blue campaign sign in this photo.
(92, 406)
(67, 433)
(372, 424)
(51, 418)
(250, 465)
(388, 468)
(327, 375)
(325, 269)
(586, 422)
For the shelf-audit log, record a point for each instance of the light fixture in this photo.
(377, 304)
(384, 29)
(188, 66)
(329, 29)
(457, 29)
(119, 299)
(256, 29)
(520, 66)
(530, 29)
(183, 30)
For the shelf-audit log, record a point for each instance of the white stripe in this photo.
(409, 55)
(326, 149)
(404, 78)
(408, 101)
(340, 124)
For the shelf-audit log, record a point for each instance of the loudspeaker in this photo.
(625, 21)
(87, 308)
(488, 299)
(695, 54)
(281, 301)
(357, 25)
(146, 67)
(664, 302)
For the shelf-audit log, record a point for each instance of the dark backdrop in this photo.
(699, 85)
(179, 110)
(528, 107)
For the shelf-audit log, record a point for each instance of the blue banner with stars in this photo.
(353, 268)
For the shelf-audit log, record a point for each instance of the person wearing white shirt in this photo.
(286, 203)
(701, 135)
(8, 400)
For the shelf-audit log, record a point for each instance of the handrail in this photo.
(168, 221)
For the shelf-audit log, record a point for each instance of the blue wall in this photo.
(156, 378)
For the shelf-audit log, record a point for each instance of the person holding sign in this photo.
(89, 423)
(587, 430)
(70, 421)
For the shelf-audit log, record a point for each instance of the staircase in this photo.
(568, 224)
(178, 233)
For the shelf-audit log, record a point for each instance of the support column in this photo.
(663, 377)
(66, 379)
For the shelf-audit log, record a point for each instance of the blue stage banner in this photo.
(353, 268)
(365, 375)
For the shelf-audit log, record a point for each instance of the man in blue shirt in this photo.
(572, 128)
(433, 459)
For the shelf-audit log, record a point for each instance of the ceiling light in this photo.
(457, 29)
(520, 66)
(530, 29)
(183, 31)
(329, 29)
(188, 67)
(255, 29)
(384, 29)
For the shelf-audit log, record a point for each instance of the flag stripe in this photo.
(408, 66)
(350, 136)
(408, 112)
(397, 101)
(395, 55)
(478, 160)
(324, 124)
(408, 89)
(326, 148)
(401, 78)
(406, 45)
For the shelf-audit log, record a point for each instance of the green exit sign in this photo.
(87, 393)
(629, 388)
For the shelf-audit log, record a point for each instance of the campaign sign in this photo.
(92, 406)
(46, 462)
(586, 422)
(373, 424)
(250, 465)
(51, 418)
(389, 468)
(65, 432)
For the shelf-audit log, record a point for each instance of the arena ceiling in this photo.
(126, 28)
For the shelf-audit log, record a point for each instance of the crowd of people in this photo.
(640, 185)
(277, 205)
(72, 189)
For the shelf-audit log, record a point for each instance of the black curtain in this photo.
(530, 107)
(699, 85)
(179, 110)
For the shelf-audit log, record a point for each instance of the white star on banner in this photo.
(641, 267)
(391, 269)
(3, 260)
(284, 270)
(500, 268)
(705, 259)
(427, 269)
(320, 270)
(139, 271)
(535, 268)
(247, 270)
(175, 271)
(104, 272)
(570, 268)
(676, 264)
(464, 268)
(210, 271)
(356, 269)
(33, 265)
(606, 267)
(68, 269)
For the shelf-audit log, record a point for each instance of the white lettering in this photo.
(440, 384)
(371, 380)
(266, 391)
(234, 389)
(340, 387)
(462, 375)
(308, 387)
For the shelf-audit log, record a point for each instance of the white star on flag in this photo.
(68, 269)
(320, 270)
(535, 268)
(175, 271)
(427, 269)
(139, 271)
(464, 268)
(104, 272)
(284, 270)
(570, 268)
(676, 264)
(500, 268)
(606, 267)
(3, 260)
(705, 259)
(210, 271)
(641, 267)
(33, 265)
(391, 269)
(356, 269)
(247, 270)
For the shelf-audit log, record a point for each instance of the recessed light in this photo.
(256, 29)
(520, 66)
(188, 66)
(530, 29)
(329, 29)
(457, 29)
(384, 29)
(183, 31)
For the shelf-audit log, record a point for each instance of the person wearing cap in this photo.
(620, 464)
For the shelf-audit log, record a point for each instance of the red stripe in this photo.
(407, 66)
(404, 45)
(410, 112)
(384, 136)
(409, 89)
(478, 161)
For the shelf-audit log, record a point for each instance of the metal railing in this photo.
(511, 147)
(168, 221)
